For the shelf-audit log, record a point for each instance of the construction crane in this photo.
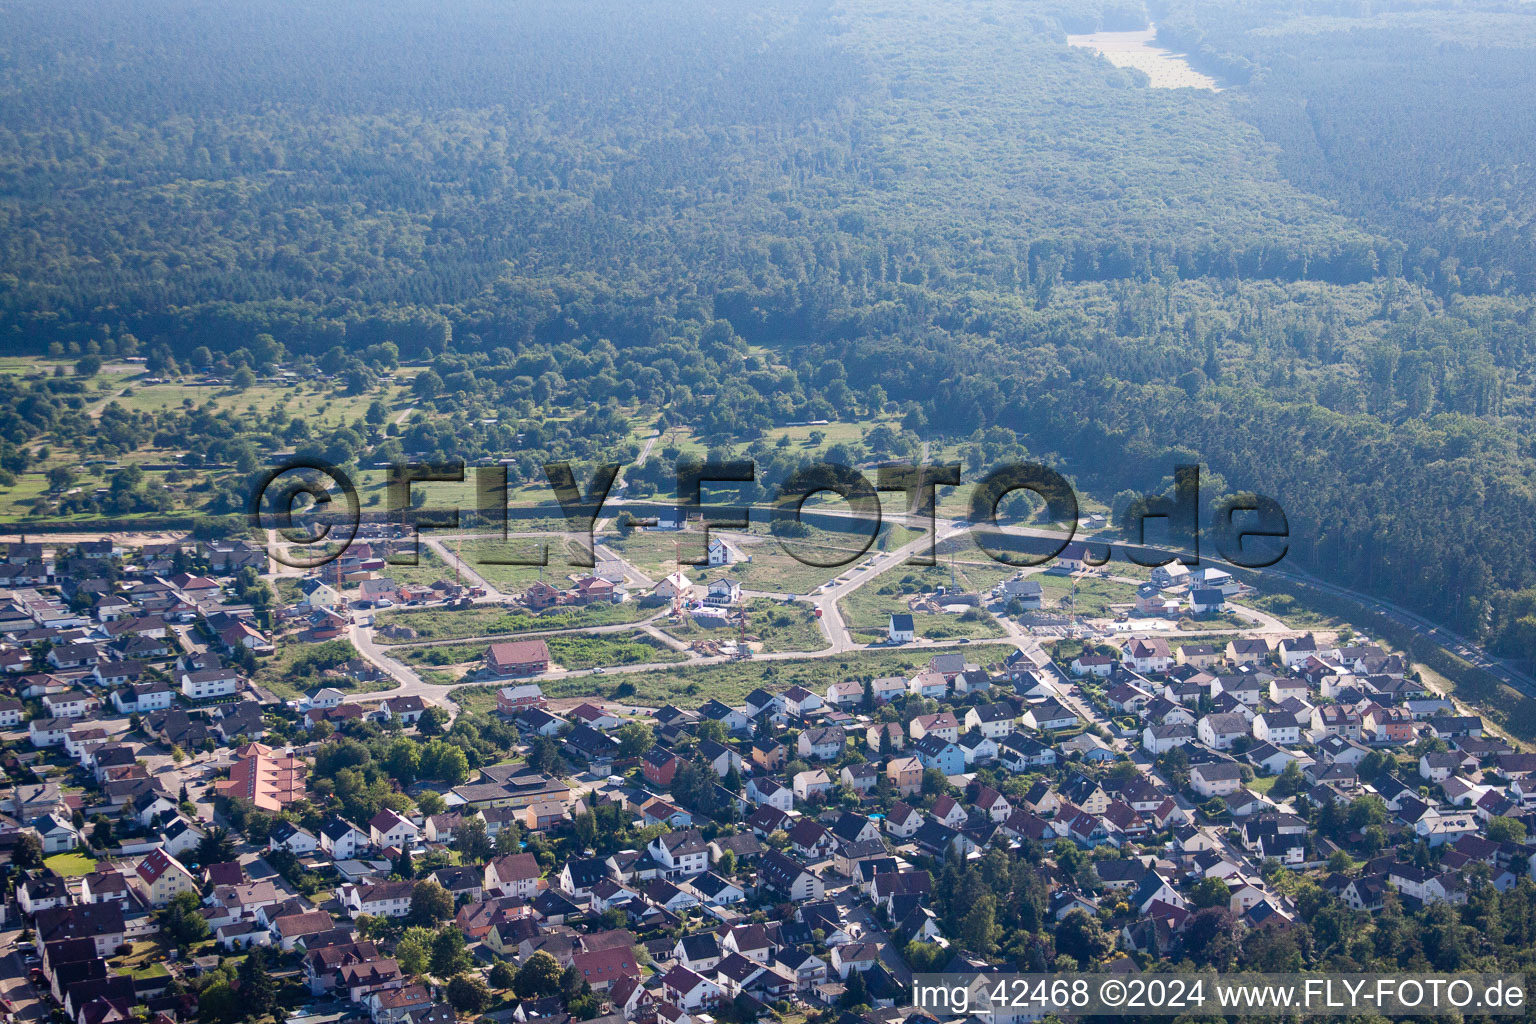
(742, 650)
(677, 592)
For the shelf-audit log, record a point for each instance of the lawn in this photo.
(427, 570)
(573, 652)
(582, 652)
(868, 609)
(1291, 611)
(442, 654)
(730, 682)
(297, 666)
(322, 404)
(772, 568)
(1095, 597)
(654, 553)
(463, 495)
(479, 554)
(783, 626)
(145, 960)
(488, 620)
(15, 500)
(70, 865)
(980, 625)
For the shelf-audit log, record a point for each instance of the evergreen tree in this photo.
(258, 990)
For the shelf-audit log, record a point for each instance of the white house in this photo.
(1221, 730)
(1101, 665)
(389, 828)
(723, 553)
(341, 839)
(1277, 727)
(1149, 655)
(722, 593)
(515, 874)
(290, 837)
(1049, 715)
(770, 792)
(994, 720)
(1215, 779)
(674, 587)
(325, 698)
(689, 990)
(205, 684)
(1157, 740)
(377, 899)
(49, 732)
(681, 854)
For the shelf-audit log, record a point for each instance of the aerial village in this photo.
(187, 835)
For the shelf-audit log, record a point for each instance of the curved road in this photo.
(840, 641)
(825, 598)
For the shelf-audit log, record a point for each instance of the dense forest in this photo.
(1317, 281)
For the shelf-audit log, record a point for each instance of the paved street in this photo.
(14, 987)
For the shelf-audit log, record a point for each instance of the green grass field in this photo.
(582, 652)
(488, 620)
(692, 684)
(569, 652)
(867, 610)
(1291, 611)
(70, 865)
(1094, 596)
(288, 674)
(774, 567)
